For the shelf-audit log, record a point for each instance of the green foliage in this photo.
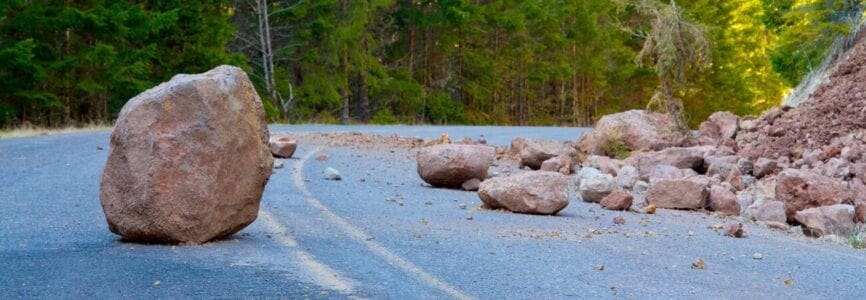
(441, 109)
(384, 117)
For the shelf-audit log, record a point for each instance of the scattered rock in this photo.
(636, 129)
(626, 177)
(322, 157)
(834, 219)
(462, 206)
(719, 128)
(619, 220)
(451, 165)
(699, 264)
(768, 211)
(800, 190)
(282, 147)
(679, 157)
(188, 160)
(535, 152)
(757, 256)
(650, 209)
(617, 200)
(593, 185)
(661, 172)
(332, 174)
(723, 201)
(686, 193)
(764, 167)
(278, 164)
(561, 163)
(529, 192)
(471, 184)
(734, 230)
(604, 164)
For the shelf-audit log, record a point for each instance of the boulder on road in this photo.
(617, 200)
(723, 201)
(450, 165)
(679, 157)
(189, 160)
(561, 163)
(541, 192)
(535, 152)
(636, 129)
(685, 193)
(719, 128)
(594, 185)
(283, 147)
(801, 190)
(669, 172)
(834, 219)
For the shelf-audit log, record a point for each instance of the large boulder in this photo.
(679, 157)
(561, 163)
(534, 152)
(723, 201)
(594, 185)
(660, 172)
(283, 147)
(189, 160)
(719, 129)
(636, 129)
(801, 190)
(450, 165)
(539, 192)
(834, 219)
(684, 193)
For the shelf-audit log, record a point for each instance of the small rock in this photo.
(561, 163)
(470, 217)
(699, 264)
(278, 164)
(332, 174)
(599, 267)
(617, 200)
(283, 147)
(462, 206)
(758, 256)
(98, 147)
(764, 167)
(734, 230)
(471, 184)
(594, 185)
(619, 220)
(322, 157)
(650, 209)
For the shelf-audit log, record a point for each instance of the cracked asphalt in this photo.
(381, 233)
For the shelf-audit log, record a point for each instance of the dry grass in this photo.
(26, 131)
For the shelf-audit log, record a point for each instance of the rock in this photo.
(471, 184)
(188, 160)
(734, 230)
(801, 190)
(626, 176)
(617, 200)
(517, 145)
(834, 219)
(593, 185)
(283, 147)
(650, 209)
(764, 167)
(768, 211)
(278, 164)
(638, 192)
(539, 192)
(757, 256)
(746, 167)
(535, 152)
(668, 172)
(619, 220)
(686, 193)
(636, 129)
(723, 201)
(679, 157)
(860, 213)
(450, 165)
(561, 163)
(332, 174)
(719, 127)
(699, 264)
(604, 164)
(837, 168)
(322, 157)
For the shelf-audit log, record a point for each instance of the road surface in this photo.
(380, 233)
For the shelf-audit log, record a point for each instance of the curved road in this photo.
(380, 233)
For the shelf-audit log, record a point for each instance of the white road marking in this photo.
(319, 272)
(358, 235)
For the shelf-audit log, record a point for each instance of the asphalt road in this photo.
(380, 233)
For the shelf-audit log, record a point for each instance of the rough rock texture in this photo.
(734, 230)
(764, 166)
(860, 213)
(637, 129)
(679, 157)
(535, 152)
(604, 164)
(450, 165)
(685, 193)
(471, 184)
(283, 147)
(594, 185)
(668, 172)
(801, 190)
(836, 108)
(529, 192)
(617, 200)
(561, 163)
(768, 211)
(834, 219)
(719, 129)
(723, 201)
(189, 160)
(626, 176)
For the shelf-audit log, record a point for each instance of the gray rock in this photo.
(332, 174)
(593, 185)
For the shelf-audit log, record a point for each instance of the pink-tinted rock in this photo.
(617, 200)
(833, 219)
(189, 160)
(450, 165)
(562, 164)
(801, 190)
(471, 184)
(660, 172)
(604, 164)
(594, 185)
(723, 201)
(860, 213)
(517, 145)
(734, 230)
(637, 129)
(686, 193)
(283, 147)
(764, 167)
(718, 128)
(768, 211)
(535, 152)
(528, 192)
(679, 157)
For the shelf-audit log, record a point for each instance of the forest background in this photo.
(504, 62)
